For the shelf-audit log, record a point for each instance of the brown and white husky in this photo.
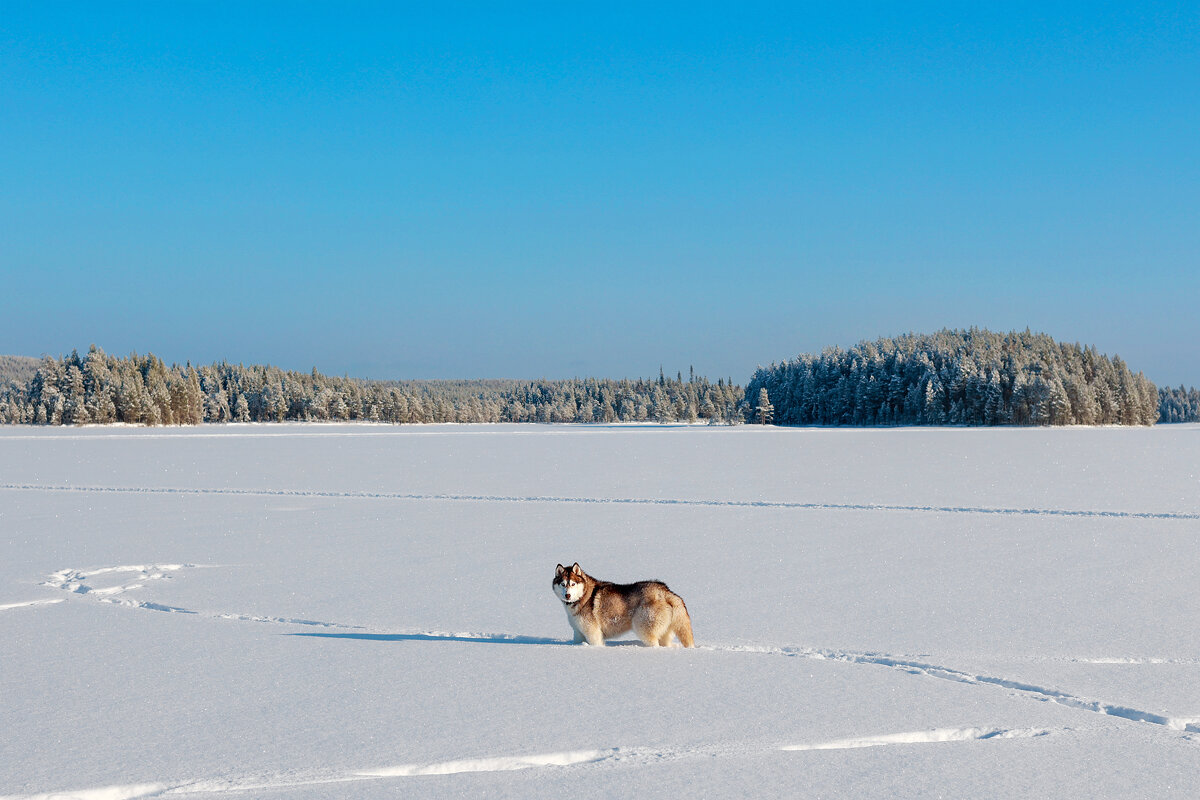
(599, 610)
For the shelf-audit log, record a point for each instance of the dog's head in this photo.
(568, 583)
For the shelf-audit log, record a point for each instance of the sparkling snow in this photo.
(365, 611)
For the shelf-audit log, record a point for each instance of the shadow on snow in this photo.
(482, 638)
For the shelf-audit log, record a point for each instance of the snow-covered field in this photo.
(365, 611)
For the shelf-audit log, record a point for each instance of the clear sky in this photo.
(444, 190)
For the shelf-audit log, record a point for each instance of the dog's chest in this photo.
(573, 618)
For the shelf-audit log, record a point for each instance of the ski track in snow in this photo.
(27, 603)
(238, 785)
(128, 792)
(923, 737)
(615, 756)
(488, 498)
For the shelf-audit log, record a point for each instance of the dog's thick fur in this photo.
(599, 610)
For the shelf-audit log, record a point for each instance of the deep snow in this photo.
(362, 611)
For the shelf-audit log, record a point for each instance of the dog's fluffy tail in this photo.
(681, 623)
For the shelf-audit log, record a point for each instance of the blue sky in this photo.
(456, 190)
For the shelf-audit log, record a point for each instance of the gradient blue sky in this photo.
(451, 190)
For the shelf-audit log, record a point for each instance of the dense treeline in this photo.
(16, 369)
(972, 377)
(1179, 405)
(142, 390)
(955, 377)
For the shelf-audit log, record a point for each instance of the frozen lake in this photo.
(365, 611)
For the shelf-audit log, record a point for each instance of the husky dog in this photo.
(599, 610)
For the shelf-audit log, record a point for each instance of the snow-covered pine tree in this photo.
(764, 411)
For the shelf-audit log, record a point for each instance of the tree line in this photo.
(1179, 405)
(143, 390)
(16, 369)
(956, 377)
(953, 377)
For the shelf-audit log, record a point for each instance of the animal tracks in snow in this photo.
(73, 581)
(82, 582)
(119, 584)
(1041, 693)
(133, 577)
(651, 501)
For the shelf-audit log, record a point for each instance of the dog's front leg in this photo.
(578, 638)
(594, 637)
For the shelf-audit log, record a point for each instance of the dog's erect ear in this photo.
(575, 568)
(559, 570)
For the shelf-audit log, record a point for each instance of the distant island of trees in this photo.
(957, 377)
(952, 377)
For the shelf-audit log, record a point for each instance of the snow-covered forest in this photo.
(956, 377)
(99, 388)
(973, 377)
(1179, 404)
(16, 369)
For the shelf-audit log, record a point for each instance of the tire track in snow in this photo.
(649, 501)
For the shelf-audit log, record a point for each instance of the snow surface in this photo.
(365, 611)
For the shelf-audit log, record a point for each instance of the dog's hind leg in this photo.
(654, 629)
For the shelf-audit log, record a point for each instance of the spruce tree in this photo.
(764, 410)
